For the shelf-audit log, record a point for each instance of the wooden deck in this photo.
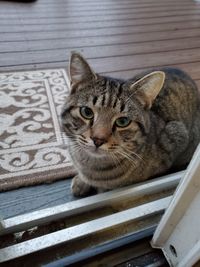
(119, 38)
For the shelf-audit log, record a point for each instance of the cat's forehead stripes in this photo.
(94, 100)
(109, 95)
(103, 99)
(108, 100)
(99, 101)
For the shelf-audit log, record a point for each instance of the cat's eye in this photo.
(86, 113)
(122, 122)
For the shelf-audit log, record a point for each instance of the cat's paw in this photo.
(79, 188)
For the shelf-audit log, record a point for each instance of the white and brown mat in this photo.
(32, 147)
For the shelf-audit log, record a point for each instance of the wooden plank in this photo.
(102, 51)
(94, 5)
(109, 20)
(52, 24)
(32, 198)
(102, 24)
(136, 18)
(13, 6)
(136, 10)
(105, 5)
(193, 69)
(146, 60)
(62, 42)
(167, 28)
(107, 64)
(96, 1)
(99, 14)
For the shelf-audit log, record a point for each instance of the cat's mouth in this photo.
(95, 151)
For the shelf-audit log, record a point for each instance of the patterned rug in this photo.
(32, 147)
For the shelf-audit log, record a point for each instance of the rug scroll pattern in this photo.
(31, 141)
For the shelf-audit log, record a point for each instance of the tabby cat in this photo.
(126, 131)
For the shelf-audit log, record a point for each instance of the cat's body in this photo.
(122, 132)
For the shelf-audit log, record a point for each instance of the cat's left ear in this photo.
(148, 87)
(79, 69)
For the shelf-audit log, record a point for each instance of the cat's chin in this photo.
(96, 152)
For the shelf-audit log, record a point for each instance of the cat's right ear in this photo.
(79, 69)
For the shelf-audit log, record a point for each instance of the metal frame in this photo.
(102, 248)
(178, 233)
(144, 211)
(26, 221)
(83, 229)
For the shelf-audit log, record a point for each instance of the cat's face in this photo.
(100, 118)
(103, 116)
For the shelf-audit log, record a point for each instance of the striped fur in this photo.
(163, 133)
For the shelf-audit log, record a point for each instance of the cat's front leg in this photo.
(79, 188)
(174, 138)
(101, 190)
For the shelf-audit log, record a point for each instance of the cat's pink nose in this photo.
(98, 142)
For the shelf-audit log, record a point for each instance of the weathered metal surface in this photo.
(84, 229)
(29, 220)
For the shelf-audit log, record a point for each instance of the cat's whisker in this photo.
(75, 147)
(82, 140)
(134, 154)
(130, 156)
(119, 163)
(74, 138)
(123, 166)
(83, 144)
(115, 159)
(127, 156)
